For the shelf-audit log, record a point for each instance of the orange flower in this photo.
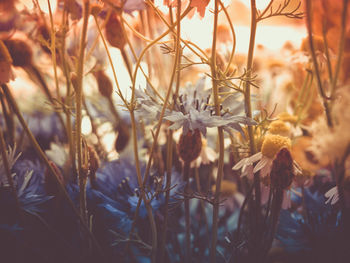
(200, 5)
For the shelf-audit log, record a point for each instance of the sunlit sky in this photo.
(200, 30)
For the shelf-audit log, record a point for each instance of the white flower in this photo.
(332, 195)
(246, 164)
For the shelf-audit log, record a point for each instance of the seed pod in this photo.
(122, 138)
(114, 32)
(104, 84)
(282, 173)
(190, 145)
(20, 52)
(95, 9)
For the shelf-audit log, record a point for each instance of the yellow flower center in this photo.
(273, 143)
(279, 127)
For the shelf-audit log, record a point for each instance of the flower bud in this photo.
(114, 32)
(122, 138)
(20, 52)
(190, 145)
(95, 9)
(104, 84)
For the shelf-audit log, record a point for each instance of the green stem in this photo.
(66, 70)
(248, 106)
(341, 46)
(78, 100)
(148, 166)
(186, 175)
(170, 135)
(6, 165)
(142, 190)
(9, 121)
(256, 209)
(220, 137)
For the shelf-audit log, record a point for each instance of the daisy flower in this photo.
(271, 145)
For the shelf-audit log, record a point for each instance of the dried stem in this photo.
(11, 100)
(220, 137)
(314, 59)
(186, 175)
(78, 85)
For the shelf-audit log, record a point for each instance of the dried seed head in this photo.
(282, 171)
(104, 84)
(122, 138)
(20, 52)
(114, 32)
(190, 145)
(96, 8)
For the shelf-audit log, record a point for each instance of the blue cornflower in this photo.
(118, 181)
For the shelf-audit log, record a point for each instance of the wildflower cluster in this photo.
(128, 136)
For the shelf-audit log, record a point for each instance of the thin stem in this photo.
(220, 138)
(248, 109)
(148, 166)
(142, 190)
(186, 175)
(66, 71)
(43, 157)
(135, 57)
(326, 50)
(341, 45)
(6, 165)
(248, 106)
(170, 134)
(233, 36)
(78, 100)
(199, 190)
(127, 62)
(53, 49)
(9, 121)
(204, 56)
(120, 94)
(315, 63)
